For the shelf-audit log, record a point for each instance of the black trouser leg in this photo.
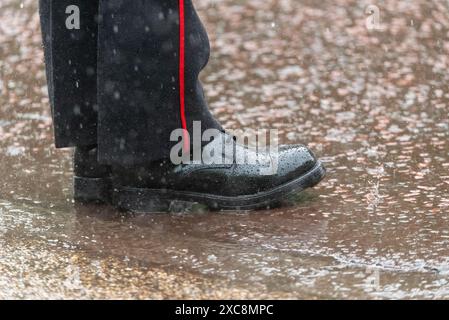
(138, 76)
(71, 63)
(139, 96)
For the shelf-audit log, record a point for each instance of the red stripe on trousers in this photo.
(182, 53)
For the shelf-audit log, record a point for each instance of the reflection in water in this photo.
(372, 103)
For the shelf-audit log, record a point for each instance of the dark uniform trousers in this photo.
(125, 76)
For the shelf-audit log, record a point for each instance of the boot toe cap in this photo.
(294, 161)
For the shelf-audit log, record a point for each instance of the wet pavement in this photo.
(372, 103)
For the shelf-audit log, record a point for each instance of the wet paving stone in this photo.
(373, 104)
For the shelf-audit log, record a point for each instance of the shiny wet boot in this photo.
(222, 185)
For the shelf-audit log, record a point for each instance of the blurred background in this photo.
(364, 83)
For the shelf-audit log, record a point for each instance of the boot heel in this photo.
(92, 189)
(140, 200)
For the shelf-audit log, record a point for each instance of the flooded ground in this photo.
(373, 104)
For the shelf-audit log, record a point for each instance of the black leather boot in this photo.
(92, 181)
(224, 185)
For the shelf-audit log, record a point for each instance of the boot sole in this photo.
(92, 190)
(140, 200)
